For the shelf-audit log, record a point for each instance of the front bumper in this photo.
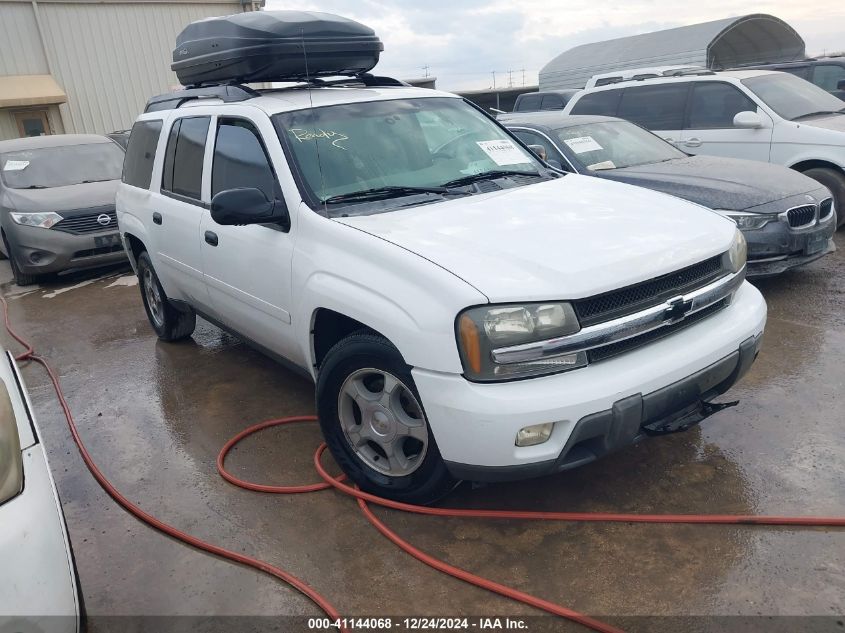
(475, 425)
(41, 251)
(776, 247)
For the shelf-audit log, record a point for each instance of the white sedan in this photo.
(38, 588)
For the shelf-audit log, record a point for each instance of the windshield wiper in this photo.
(819, 113)
(32, 187)
(88, 182)
(383, 193)
(488, 175)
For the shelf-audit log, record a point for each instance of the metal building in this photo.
(88, 66)
(748, 39)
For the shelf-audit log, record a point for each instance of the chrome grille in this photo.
(825, 207)
(616, 303)
(801, 216)
(82, 223)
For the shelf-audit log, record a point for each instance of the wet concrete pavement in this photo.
(154, 415)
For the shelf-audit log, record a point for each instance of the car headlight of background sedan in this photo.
(43, 220)
(485, 328)
(749, 221)
(738, 252)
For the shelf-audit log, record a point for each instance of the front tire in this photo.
(169, 323)
(835, 181)
(374, 423)
(21, 278)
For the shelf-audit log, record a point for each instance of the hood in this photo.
(716, 182)
(829, 122)
(567, 238)
(81, 196)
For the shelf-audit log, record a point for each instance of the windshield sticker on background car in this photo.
(15, 165)
(502, 152)
(605, 164)
(582, 144)
(330, 135)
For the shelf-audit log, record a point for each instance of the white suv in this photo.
(466, 312)
(755, 114)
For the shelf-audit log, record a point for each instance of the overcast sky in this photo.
(464, 41)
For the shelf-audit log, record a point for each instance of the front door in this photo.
(32, 123)
(248, 268)
(710, 124)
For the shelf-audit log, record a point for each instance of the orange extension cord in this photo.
(363, 498)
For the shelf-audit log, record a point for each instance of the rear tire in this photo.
(384, 444)
(835, 181)
(169, 323)
(21, 278)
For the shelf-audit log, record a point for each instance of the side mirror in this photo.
(539, 151)
(840, 85)
(748, 119)
(248, 205)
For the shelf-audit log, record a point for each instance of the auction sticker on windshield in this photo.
(582, 144)
(502, 152)
(15, 165)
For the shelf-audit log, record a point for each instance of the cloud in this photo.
(463, 42)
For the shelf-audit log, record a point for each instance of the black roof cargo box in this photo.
(268, 46)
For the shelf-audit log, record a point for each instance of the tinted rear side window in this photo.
(714, 105)
(659, 107)
(604, 103)
(552, 102)
(183, 157)
(240, 160)
(529, 103)
(141, 154)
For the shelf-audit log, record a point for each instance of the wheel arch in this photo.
(816, 163)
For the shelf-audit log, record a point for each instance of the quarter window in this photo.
(240, 160)
(828, 76)
(604, 103)
(141, 154)
(714, 105)
(657, 107)
(183, 157)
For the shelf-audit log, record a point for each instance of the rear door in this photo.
(657, 107)
(709, 127)
(248, 268)
(179, 211)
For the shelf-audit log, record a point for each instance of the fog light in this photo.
(535, 434)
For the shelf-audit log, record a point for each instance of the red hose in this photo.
(363, 497)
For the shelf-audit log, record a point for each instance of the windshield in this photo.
(792, 97)
(418, 143)
(614, 144)
(62, 165)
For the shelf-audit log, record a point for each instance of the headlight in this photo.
(738, 252)
(43, 220)
(749, 221)
(11, 462)
(485, 328)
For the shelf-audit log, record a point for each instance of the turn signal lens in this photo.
(470, 343)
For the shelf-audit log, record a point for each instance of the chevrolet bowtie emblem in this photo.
(677, 310)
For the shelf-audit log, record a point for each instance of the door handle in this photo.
(693, 142)
(156, 218)
(211, 238)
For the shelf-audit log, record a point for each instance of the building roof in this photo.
(725, 43)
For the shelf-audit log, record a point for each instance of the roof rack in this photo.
(233, 93)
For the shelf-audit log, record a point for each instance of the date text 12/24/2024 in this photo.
(420, 624)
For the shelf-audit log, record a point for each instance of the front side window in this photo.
(828, 76)
(657, 107)
(421, 143)
(791, 97)
(533, 138)
(61, 166)
(141, 153)
(614, 144)
(552, 102)
(182, 169)
(604, 103)
(240, 160)
(714, 105)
